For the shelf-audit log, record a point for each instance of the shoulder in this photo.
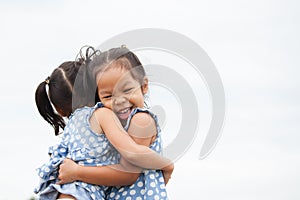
(142, 119)
(106, 118)
(80, 111)
(142, 125)
(102, 111)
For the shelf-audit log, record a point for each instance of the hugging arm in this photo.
(111, 175)
(142, 130)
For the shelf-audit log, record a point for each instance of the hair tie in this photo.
(47, 80)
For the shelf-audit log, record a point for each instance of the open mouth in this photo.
(124, 113)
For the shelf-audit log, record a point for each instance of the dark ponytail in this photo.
(45, 108)
(61, 94)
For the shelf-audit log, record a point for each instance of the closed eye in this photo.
(107, 97)
(128, 90)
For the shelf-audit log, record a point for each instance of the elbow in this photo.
(133, 178)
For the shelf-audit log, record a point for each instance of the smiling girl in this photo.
(121, 85)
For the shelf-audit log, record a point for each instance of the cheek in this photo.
(138, 99)
(107, 104)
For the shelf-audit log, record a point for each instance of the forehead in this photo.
(119, 65)
(114, 77)
(114, 74)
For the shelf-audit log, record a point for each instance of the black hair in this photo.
(60, 90)
(121, 56)
(60, 84)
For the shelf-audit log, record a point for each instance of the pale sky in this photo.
(254, 45)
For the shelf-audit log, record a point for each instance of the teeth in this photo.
(124, 111)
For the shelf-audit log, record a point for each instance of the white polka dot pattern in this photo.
(85, 147)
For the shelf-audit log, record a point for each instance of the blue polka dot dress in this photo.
(150, 184)
(83, 146)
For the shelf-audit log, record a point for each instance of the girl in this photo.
(122, 83)
(92, 150)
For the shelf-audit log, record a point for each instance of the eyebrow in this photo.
(104, 92)
(108, 92)
(126, 83)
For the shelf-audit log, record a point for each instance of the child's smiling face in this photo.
(120, 92)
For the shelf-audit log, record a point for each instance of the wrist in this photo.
(78, 173)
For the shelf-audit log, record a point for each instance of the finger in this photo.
(64, 161)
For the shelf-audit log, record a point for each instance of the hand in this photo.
(67, 172)
(167, 172)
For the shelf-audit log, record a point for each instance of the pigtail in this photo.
(45, 108)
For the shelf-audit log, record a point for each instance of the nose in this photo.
(119, 100)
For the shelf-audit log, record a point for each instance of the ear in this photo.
(145, 85)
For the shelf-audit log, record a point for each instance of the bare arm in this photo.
(140, 131)
(112, 175)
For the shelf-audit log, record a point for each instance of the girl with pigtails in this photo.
(100, 153)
